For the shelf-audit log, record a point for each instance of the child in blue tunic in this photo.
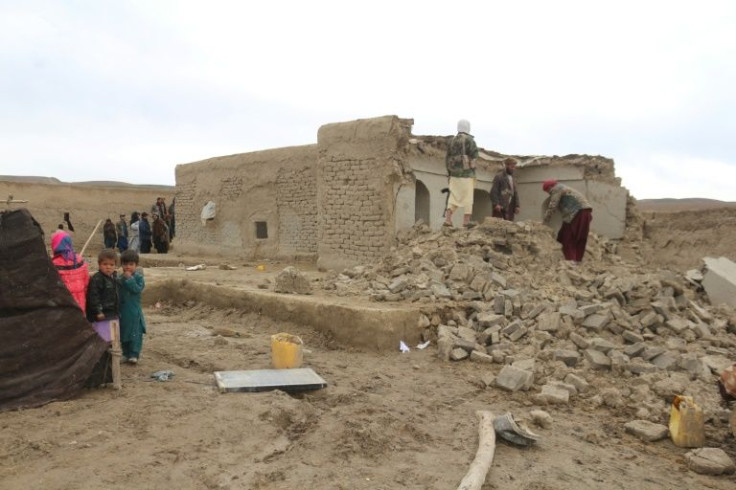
(132, 322)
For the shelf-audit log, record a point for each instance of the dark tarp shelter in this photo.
(47, 349)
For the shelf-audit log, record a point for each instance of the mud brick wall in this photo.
(296, 197)
(354, 218)
(357, 173)
(248, 189)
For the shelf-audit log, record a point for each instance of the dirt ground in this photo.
(386, 420)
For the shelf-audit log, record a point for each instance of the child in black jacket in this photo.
(102, 295)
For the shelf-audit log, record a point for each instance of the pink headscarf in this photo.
(548, 184)
(61, 244)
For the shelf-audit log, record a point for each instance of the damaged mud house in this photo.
(342, 201)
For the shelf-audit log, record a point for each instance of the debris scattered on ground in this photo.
(198, 267)
(164, 375)
(291, 280)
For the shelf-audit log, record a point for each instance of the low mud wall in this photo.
(363, 327)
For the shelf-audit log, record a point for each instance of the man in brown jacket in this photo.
(504, 197)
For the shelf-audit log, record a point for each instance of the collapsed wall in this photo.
(343, 200)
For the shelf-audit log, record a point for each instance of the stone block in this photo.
(518, 334)
(570, 388)
(719, 280)
(569, 357)
(646, 430)
(536, 311)
(632, 337)
(512, 327)
(291, 280)
(597, 359)
(498, 304)
(553, 395)
(635, 350)
(573, 312)
(710, 461)
(673, 385)
(458, 354)
(701, 330)
(461, 273)
(488, 319)
(639, 366)
(466, 333)
(478, 356)
(693, 365)
(588, 310)
(579, 340)
(652, 352)
(498, 279)
(444, 347)
(541, 419)
(648, 319)
(602, 345)
(525, 364)
(596, 322)
(548, 322)
(578, 382)
(514, 379)
(666, 361)
(398, 285)
(446, 331)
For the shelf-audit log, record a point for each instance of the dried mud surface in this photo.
(385, 421)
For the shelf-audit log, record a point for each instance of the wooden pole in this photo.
(115, 353)
(476, 475)
(90, 238)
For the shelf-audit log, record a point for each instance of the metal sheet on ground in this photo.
(301, 379)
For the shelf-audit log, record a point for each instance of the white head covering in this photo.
(463, 126)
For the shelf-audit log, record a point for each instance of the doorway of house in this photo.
(421, 203)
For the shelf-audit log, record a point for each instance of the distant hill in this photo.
(668, 205)
(29, 179)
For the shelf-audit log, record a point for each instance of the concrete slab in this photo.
(719, 280)
(300, 379)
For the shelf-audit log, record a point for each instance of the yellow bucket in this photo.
(687, 425)
(286, 351)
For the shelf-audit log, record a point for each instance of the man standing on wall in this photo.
(504, 198)
(460, 161)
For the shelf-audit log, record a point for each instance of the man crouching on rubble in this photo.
(576, 217)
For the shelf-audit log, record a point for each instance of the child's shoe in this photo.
(133, 360)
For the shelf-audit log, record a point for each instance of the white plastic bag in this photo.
(208, 212)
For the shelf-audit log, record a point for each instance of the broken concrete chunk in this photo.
(596, 322)
(597, 359)
(569, 357)
(710, 461)
(514, 379)
(719, 280)
(478, 356)
(646, 430)
(548, 322)
(578, 382)
(291, 280)
(458, 354)
(553, 395)
(541, 418)
(579, 340)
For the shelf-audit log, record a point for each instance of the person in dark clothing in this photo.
(160, 235)
(102, 292)
(145, 233)
(121, 228)
(504, 197)
(109, 234)
(172, 220)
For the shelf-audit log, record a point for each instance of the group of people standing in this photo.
(142, 234)
(575, 209)
(106, 295)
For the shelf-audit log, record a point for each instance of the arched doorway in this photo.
(481, 205)
(421, 203)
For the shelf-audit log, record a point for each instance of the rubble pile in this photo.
(607, 332)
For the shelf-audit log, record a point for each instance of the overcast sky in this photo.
(125, 90)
